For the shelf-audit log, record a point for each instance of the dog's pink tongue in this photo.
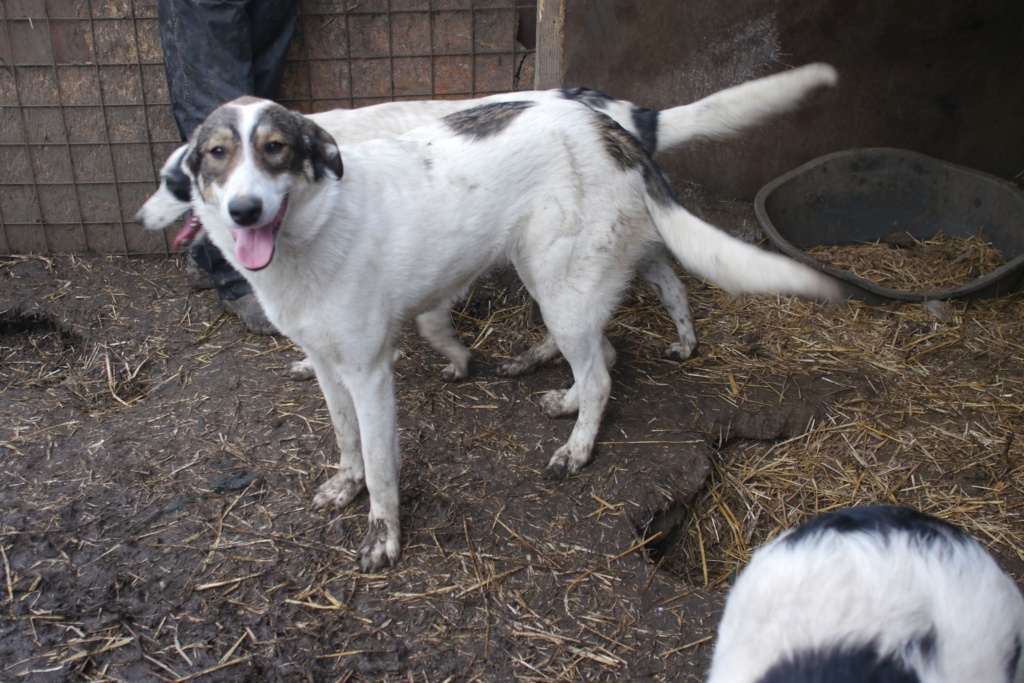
(188, 232)
(254, 247)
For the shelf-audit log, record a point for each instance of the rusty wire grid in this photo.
(86, 123)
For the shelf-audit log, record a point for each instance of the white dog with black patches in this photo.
(718, 116)
(342, 246)
(883, 594)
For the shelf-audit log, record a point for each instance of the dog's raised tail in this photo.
(736, 266)
(740, 107)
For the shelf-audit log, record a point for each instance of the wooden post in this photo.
(550, 43)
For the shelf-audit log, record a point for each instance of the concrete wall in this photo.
(942, 77)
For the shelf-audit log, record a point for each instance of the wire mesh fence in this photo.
(86, 123)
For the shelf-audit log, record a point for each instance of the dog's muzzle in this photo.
(254, 246)
(245, 211)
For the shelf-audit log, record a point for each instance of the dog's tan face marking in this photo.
(273, 142)
(216, 150)
(278, 143)
(221, 155)
(259, 138)
(284, 141)
(274, 152)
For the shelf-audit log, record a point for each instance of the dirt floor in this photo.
(158, 469)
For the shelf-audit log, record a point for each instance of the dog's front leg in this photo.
(373, 393)
(343, 487)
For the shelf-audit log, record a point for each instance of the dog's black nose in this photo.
(245, 210)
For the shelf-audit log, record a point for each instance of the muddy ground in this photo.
(158, 469)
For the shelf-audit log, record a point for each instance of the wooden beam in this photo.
(550, 44)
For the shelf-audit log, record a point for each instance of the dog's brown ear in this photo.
(323, 152)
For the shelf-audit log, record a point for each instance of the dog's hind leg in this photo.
(583, 348)
(530, 360)
(575, 309)
(436, 327)
(657, 272)
(565, 402)
(349, 482)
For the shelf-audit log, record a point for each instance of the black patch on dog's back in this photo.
(623, 148)
(840, 664)
(629, 154)
(595, 99)
(646, 122)
(485, 120)
(881, 520)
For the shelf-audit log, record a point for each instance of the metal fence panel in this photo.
(85, 120)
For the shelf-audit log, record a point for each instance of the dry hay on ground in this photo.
(924, 413)
(154, 517)
(905, 263)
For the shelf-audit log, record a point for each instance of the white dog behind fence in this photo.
(343, 246)
(882, 594)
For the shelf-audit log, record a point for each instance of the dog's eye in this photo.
(218, 152)
(273, 147)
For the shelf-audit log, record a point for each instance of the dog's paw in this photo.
(514, 367)
(680, 351)
(380, 547)
(454, 372)
(564, 464)
(339, 491)
(559, 403)
(301, 370)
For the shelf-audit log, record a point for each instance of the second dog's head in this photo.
(242, 164)
(171, 198)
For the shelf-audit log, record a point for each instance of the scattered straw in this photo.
(924, 414)
(916, 265)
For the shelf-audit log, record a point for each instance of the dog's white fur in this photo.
(718, 116)
(919, 596)
(555, 188)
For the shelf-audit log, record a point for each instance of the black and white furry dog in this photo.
(882, 594)
(343, 245)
